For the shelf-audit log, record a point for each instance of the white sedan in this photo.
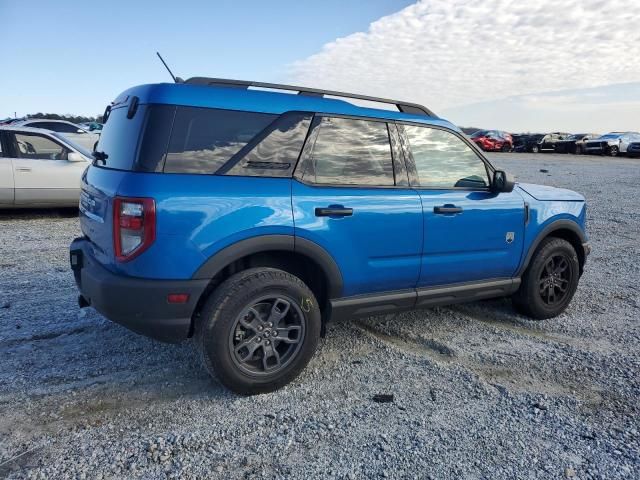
(73, 132)
(40, 168)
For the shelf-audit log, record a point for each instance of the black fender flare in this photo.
(265, 243)
(556, 225)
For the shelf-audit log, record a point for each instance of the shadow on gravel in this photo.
(37, 213)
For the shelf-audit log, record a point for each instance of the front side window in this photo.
(350, 152)
(204, 139)
(443, 160)
(34, 146)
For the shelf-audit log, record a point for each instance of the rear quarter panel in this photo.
(198, 215)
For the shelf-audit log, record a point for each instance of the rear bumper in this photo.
(139, 304)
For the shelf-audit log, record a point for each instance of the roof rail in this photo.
(404, 107)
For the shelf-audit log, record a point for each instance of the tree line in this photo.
(69, 118)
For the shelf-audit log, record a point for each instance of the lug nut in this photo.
(260, 327)
(270, 324)
(258, 339)
(268, 342)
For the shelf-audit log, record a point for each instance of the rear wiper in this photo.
(100, 157)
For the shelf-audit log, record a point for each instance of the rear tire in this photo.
(614, 151)
(550, 280)
(258, 330)
(535, 149)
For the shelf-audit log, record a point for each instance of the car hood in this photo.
(544, 192)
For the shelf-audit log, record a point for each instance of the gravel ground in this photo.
(479, 391)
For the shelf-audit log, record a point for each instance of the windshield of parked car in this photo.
(480, 133)
(75, 146)
(612, 135)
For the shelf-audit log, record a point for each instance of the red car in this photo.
(493, 140)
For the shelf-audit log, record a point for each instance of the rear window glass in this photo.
(119, 138)
(203, 139)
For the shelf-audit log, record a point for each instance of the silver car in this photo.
(40, 168)
(612, 143)
(73, 132)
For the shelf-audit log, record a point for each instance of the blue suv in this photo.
(247, 215)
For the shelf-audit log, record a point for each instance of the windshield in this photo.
(612, 135)
(480, 133)
(72, 144)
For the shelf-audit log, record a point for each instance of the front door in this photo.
(41, 171)
(351, 197)
(470, 232)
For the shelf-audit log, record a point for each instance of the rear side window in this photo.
(350, 152)
(203, 139)
(119, 139)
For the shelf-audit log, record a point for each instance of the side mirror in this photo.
(503, 181)
(75, 157)
(80, 131)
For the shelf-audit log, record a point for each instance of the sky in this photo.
(562, 65)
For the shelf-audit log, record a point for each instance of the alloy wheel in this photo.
(267, 335)
(555, 279)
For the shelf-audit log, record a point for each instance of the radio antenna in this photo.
(175, 79)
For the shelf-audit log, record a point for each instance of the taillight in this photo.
(134, 226)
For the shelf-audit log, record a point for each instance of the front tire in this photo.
(550, 281)
(614, 151)
(258, 330)
(535, 149)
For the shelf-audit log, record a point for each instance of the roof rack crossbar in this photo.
(405, 107)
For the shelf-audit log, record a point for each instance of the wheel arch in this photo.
(298, 256)
(567, 230)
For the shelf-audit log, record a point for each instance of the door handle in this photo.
(447, 209)
(334, 211)
(23, 169)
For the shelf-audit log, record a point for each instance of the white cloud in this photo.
(450, 53)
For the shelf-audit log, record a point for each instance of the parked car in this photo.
(527, 142)
(549, 142)
(91, 126)
(575, 143)
(73, 132)
(9, 121)
(39, 168)
(493, 140)
(633, 150)
(612, 143)
(249, 218)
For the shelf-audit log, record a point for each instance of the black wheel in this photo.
(614, 151)
(505, 148)
(550, 281)
(258, 330)
(535, 149)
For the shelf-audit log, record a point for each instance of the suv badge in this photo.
(509, 237)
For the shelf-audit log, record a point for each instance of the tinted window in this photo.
(443, 160)
(274, 152)
(34, 146)
(204, 139)
(155, 140)
(350, 152)
(119, 138)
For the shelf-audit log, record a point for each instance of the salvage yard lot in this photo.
(479, 391)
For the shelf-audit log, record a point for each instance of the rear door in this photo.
(351, 196)
(470, 232)
(41, 171)
(6, 173)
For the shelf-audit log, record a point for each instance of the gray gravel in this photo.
(479, 392)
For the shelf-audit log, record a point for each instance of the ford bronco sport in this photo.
(246, 217)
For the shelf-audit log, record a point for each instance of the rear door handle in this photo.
(23, 169)
(334, 211)
(444, 209)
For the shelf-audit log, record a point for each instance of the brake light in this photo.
(134, 226)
